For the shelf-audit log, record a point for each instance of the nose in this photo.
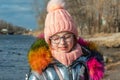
(62, 41)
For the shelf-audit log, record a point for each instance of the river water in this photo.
(13, 56)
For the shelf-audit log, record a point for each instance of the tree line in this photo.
(91, 16)
(8, 28)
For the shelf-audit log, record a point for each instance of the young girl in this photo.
(60, 54)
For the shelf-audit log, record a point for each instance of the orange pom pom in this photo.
(39, 59)
(92, 45)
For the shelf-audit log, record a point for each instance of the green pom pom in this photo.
(39, 43)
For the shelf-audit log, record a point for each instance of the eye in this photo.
(67, 36)
(55, 37)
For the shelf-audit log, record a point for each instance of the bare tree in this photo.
(40, 12)
(91, 16)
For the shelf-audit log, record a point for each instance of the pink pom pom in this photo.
(82, 42)
(96, 69)
(41, 36)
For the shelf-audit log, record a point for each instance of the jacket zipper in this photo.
(70, 73)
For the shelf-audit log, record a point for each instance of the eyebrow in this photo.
(63, 34)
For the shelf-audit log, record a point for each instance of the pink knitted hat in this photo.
(58, 20)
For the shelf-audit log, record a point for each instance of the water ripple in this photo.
(13, 57)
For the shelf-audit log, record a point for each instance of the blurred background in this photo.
(21, 21)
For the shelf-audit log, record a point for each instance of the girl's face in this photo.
(62, 42)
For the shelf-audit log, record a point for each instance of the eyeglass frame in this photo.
(62, 37)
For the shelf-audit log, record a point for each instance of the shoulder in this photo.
(90, 49)
(94, 61)
(39, 55)
(35, 76)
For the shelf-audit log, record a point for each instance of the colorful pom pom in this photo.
(39, 55)
(92, 45)
(82, 42)
(41, 36)
(96, 69)
(39, 43)
(39, 59)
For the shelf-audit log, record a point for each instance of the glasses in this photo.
(66, 37)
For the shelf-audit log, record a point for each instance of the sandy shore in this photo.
(112, 63)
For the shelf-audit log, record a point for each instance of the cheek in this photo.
(70, 45)
(54, 46)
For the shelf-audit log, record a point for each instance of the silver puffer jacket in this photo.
(76, 71)
(81, 69)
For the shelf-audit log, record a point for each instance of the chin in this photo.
(64, 51)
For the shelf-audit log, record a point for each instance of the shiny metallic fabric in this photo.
(76, 71)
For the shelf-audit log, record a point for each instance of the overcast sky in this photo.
(18, 12)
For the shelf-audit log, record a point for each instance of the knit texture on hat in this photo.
(58, 20)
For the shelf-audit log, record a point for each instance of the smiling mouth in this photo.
(63, 48)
